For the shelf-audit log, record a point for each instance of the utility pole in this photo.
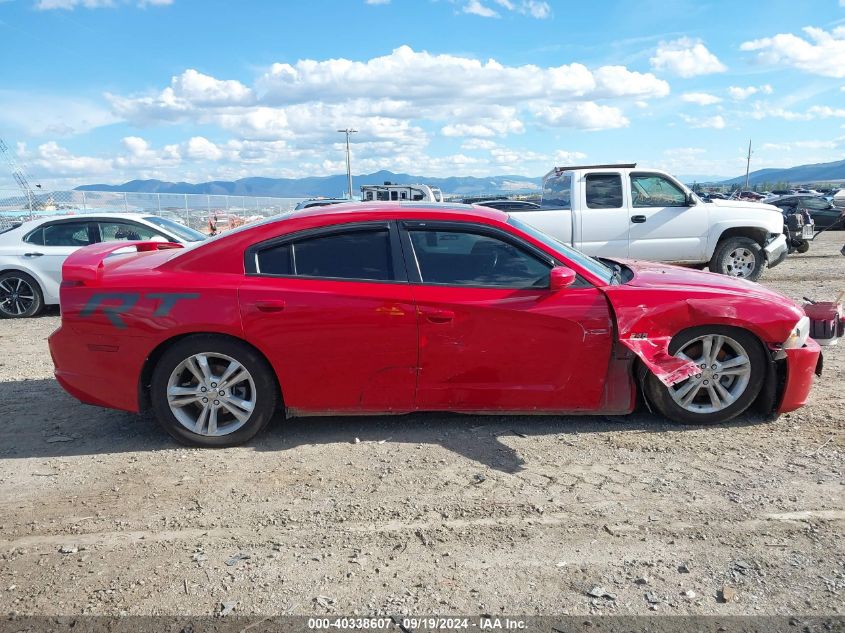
(747, 164)
(348, 131)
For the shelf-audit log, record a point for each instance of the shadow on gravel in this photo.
(40, 420)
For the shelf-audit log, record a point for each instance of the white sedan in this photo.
(32, 253)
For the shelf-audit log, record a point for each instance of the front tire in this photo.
(739, 257)
(733, 366)
(20, 295)
(213, 391)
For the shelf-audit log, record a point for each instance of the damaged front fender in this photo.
(654, 352)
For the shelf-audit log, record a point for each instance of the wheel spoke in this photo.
(237, 378)
(240, 415)
(723, 393)
(718, 341)
(242, 404)
(732, 362)
(212, 421)
(203, 416)
(192, 367)
(706, 346)
(5, 285)
(202, 361)
(685, 389)
(231, 369)
(689, 397)
(714, 397)
(182, 401)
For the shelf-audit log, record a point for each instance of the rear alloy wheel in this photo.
(739, 257)
(20, 296)
(732, 365)
(213, 391)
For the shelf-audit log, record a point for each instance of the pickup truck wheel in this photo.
(733, 368)
(213, 391)
(739, 257)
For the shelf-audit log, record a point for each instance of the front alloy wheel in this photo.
(725, 371)
(732, 366)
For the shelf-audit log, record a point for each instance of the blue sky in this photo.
(111, 90)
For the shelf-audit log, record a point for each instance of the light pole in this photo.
(348, 131)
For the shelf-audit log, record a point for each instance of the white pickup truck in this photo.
(623, 211)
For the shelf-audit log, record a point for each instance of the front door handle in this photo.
(638, 219)
(270, 305)
(33, 254)
(440, 316)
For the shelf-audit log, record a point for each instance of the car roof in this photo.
(83, 216)
(400, 208)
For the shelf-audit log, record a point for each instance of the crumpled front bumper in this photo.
(776, 250)
(801, 365)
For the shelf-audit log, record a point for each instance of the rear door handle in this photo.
(638, 219)
(270, 305)
(33, 254)
(440, 316)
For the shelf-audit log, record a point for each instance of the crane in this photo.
(20, 177)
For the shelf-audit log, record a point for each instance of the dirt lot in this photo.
(101, 513)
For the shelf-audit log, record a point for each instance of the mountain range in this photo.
(336, 186)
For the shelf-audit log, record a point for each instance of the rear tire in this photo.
(20, 295)
(213, 391)
(736, 383)
(739, 257)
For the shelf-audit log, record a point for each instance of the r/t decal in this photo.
(127, 302)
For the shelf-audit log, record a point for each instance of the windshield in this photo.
(594, 266)
(179, 230)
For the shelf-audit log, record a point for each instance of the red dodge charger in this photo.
(395, 308)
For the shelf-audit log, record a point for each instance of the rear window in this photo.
(557, 192)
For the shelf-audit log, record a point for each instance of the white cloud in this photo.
(586, 115)
(738, 93)
(474, 7)
(715, 122)
(686, 57)
(46, 5)
(200, 148)
(477, 144)
(821, 53)
(51, 115)
(538, 9)
(700, 98)
(382, 96)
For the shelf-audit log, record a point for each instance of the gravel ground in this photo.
(100, 513)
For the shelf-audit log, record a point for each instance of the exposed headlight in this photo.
(799, 334)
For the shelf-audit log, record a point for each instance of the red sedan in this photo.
(358, 309)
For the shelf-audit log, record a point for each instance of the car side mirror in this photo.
(690, 201)
(561, 277)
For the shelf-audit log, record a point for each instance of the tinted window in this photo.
(471, 259)
(351, 255)
(653, 190)
(604, 191)
(179, 230)
(816, 204)
(62, 234)
(113, 231)
(557, 191)
(276, 260)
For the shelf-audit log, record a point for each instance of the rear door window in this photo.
(61, 234)
(357, 254)
(604, 191)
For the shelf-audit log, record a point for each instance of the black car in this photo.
(823, 212)
(509, 205)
